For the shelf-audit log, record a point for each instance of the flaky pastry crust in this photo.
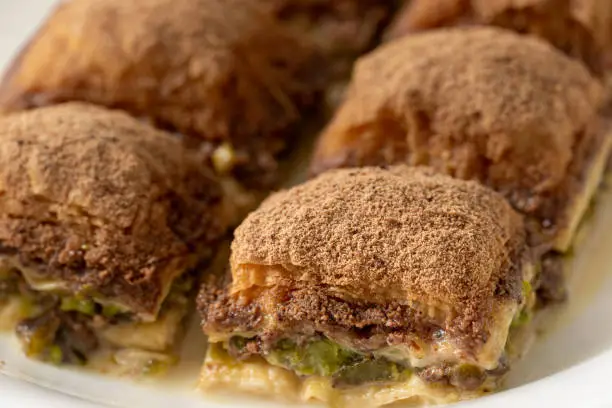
(378, 235)
(580, 28)
(477, 103)
(94, 198)
(214, 70)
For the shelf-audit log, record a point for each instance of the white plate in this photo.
(571, 366)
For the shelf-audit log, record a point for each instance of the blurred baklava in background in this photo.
(486, 104)
(225, 75)
(364, 287)
(341, 30)
(105, 223)
(580, 28)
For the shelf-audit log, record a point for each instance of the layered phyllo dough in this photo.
(485, 104)
(104, 222)
(224, 75)
(580, 28)
(370, 286)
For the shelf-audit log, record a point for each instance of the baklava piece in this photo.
(363, 287)
(486, 104)
(342, 30)
(222, 73)
(104, 222)
(580, 28)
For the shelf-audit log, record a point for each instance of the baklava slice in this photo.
(485, 104)
(370, 286)
(104, 222)
(224, 74)
(580, 28)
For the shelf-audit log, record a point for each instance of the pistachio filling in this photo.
(316, 357)
(320, 356)
(525, 312)
(347, 368)
(323, 357)
(69, 329)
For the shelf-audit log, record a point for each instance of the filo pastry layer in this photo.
(372, 285)
(102, 218)
(480, 103)
(580, 28)
(224, 74)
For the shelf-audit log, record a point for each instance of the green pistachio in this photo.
(111, 310)
(318, 357)
(370, 371)
(56, 356)
(85, 306)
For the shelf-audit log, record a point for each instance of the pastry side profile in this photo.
(485, 104)
(370, 286)
(104, 223)
(580, 28)
(223, 74)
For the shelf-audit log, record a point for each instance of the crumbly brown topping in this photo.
(97, 198)
(580, 28)
(219, 70)
(390, 235)
(477, 103)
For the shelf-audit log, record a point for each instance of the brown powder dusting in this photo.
(97, 198)
(215, 70)
(580, 28)
(477, 103)
(390, 235)
(208, 67)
